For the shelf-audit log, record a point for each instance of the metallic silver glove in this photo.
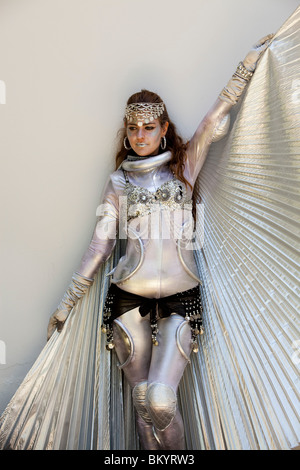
(236, 85)
(75, 291)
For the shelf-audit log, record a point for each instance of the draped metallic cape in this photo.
(241, 390)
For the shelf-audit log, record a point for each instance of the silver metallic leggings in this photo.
(154, 372)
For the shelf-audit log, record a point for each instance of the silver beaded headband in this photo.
(143, 112)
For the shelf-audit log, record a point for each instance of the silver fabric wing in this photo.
(246, 376)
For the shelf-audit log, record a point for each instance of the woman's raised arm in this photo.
(216, 122)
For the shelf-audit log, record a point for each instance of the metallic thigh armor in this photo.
(154, 373)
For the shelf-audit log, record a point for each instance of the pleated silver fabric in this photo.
(241, 390)
(54, 407)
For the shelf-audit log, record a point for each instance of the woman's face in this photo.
(145, 140)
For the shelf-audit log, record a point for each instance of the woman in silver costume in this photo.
(152, 313)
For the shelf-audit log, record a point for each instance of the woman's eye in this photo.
(147, 128)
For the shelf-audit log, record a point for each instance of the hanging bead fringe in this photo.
(193, 314)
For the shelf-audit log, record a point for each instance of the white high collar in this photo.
(148, 163)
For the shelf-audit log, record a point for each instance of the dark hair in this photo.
(174, 142)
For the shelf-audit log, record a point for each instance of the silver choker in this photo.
(147, 163)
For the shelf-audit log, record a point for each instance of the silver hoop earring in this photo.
(163, 143)
(124, 142)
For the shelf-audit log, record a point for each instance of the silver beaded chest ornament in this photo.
(171, 196)
(143, 113)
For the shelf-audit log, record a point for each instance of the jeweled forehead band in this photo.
(143, 113)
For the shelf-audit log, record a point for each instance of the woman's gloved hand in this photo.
(232, 92)
(253, 56)
(75, 291)
(57, 321)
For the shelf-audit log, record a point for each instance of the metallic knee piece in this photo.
(139, 398)
(161, 404)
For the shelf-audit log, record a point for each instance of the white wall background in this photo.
(67, 68)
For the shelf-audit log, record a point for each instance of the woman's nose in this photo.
(140, 133)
